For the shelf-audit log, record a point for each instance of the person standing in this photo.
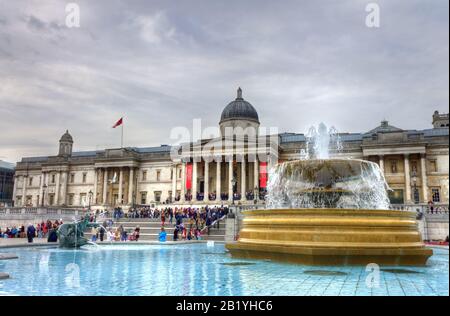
(31, 233)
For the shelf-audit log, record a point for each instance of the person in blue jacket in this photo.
(31, 232)
(162, 235)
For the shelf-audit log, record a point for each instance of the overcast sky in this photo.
(164, 63)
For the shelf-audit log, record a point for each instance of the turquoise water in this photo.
(197, 269)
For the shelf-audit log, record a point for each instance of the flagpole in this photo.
(121, 137)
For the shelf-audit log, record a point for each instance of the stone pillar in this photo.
(15, 190)
(230, 179)
(105, 185)
(130, 186)
(120, 186)
(423, 168)
(174, 182)
(243, 179)
(58, 175)
(256, 177)
(381, 157)
(41, 190)
(94, 195)
(218, 180)
(194, 180)
(64, 181)
(183, 182)
(206, 191)
(24, 190)
(407, 179)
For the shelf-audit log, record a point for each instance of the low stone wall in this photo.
(23, 216)
(434, 226)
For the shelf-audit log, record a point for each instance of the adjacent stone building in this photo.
(414, 162)
(6, 183)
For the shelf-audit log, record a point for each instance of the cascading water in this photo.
(317, 181)
(320, 140)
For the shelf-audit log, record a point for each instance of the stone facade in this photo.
(415, 164)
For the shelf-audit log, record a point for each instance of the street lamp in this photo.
(90, 198)
(44, 187)
(233, 183)
(414, 180)
(256, 195)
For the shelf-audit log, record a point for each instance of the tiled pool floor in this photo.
(201, 270)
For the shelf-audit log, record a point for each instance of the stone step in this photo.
(7, 256)
(214, 237)
(142, 236)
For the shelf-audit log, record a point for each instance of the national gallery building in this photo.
(415, 164)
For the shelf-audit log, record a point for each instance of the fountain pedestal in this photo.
(331, 237)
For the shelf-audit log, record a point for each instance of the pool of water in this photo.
(197, 269)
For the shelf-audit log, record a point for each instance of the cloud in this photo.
(161, 64)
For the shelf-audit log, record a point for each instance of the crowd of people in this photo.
(200, 196)
(45, 229)
(189, 222)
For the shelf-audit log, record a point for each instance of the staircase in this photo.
(151, 227)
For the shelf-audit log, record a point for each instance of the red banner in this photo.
(263, 174)
(188, 176)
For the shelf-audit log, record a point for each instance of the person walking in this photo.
(31, 232)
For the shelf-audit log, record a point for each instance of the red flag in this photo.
(189, 176)
(119, 122)
(263, 174)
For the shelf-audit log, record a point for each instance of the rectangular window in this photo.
(83, 200)
(72, 178)
(30, 181)
(171, 174)
(51, 199)
(143, 198)
(436, 195)
(144, 175)
(53, 178)
(71, 199)
(84, 177)
(179, 174)
(157, 196)
(158, 175)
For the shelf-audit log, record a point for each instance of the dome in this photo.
(239, 109)
(66, 137)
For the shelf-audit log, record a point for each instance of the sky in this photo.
(162, 64)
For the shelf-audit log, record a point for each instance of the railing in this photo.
(8, 211)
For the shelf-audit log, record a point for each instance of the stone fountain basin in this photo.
(331, 237)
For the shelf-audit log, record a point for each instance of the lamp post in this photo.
(256, 195)
(44, 187)
(233, 183)
(90, 198)
(414, 180)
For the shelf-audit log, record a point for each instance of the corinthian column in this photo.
(120, 186)
(423, 167)
(194, 180)
(58, 175)
(243, 179)
(130, 186)
(105, 185)
(183, 181)
(206, 191)
(230, 179)
(218, 180)
(407, 180)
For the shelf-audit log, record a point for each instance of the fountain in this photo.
(324, 211)
(71, 235)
